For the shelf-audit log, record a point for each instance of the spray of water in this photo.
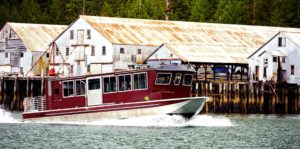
(7, 117)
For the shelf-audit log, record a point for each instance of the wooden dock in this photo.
(248, 97)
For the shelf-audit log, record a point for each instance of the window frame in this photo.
(88, 84)
(103, 50)
(63, 90)
(93, 51)
(139, 51)
(131, 81)
(146, 78)
(163, 73)
(179, 79)
(116, 85)
(292, 69)
(71, 34)
(183, 82)
(122, 50)
(88, 34)
(67, 51)
(281, 41)
(84, 87)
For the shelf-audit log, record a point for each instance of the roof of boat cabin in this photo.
(203, 42)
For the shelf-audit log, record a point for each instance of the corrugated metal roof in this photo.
(293, 36)
(210, 54)
(235, 42)
(37, 37)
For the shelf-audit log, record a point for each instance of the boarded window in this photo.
(93, 51)
(187, 79)
(122, 51)
(71, 34)
(177, 78)
(140, 81)
(103, 50)
(139, 51)
(163, 78)
(88, 32)
(292, 70)
(80, 87)
(124, 82)
(109, 84)
(68, 88)
(281, 42)
(67, 51)
(94, 84)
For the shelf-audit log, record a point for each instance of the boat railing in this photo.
(33, 104)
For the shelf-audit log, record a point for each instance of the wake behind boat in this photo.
(123, 94)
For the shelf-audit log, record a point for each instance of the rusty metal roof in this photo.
(37, 37)
(235, 42)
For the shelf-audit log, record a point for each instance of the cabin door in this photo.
(94, 91)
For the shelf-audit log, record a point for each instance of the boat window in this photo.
(80, 87)
(124, 82)
(140, 81)
(94, 84)
(163, 78)
(109, 84)
(68, 88)
(177, 78)
(187, 79)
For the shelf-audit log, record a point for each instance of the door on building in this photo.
(80, 37)
(94, 92)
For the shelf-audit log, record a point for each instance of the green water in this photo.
(205, 131)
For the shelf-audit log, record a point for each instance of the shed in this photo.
(22, 46)
(277, 60)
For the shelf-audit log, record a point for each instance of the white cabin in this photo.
(23, 46)
(279, 55)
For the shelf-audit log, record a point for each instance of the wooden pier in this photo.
(246, 97)
(14, 89)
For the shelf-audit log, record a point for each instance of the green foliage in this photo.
(253, 12)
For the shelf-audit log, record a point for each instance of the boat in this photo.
(121, 94)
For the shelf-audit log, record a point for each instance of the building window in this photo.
(88, 69)
(68, 88)
(6, 55)
(139, 51)
(109, 84)
(177, 78)
(122, 51)
(140, 81)
(124, 82)
(281, 42)
(187, 79)
(93, 51)
(47, 55)
(71, 34)
(274, 59)
(256, 72)
(163, 79)
(6, 41)
(283, 59)
(21, 54)
(67, 51)
(71, 68)
(80, 87)
(103, 50)
(88, 32)
(21, 70)
(292, 70)
(57, 51)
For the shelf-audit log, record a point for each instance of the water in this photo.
(204, 131)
